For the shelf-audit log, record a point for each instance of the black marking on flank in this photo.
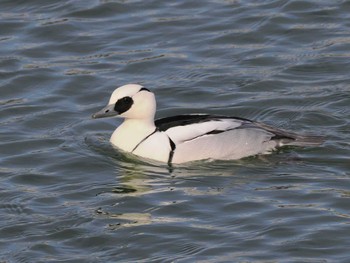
(149, 135)
(211, 133)
(123, 105)
(144, 89)
(171, 153)
(215, 132)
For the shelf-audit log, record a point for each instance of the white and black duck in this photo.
(192, 137)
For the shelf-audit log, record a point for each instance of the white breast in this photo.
(156, 147)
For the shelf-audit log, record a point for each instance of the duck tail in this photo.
(293, 139)
(305, 140)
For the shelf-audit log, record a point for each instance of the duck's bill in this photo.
(107, 111)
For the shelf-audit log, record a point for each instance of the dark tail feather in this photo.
(291, 138)
(305, 140)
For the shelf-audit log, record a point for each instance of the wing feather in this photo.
(184, 128)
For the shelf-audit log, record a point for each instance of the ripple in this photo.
(68, 195)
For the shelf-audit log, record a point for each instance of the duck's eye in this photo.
(123, 105)
(127, 99)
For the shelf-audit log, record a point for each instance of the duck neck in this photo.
(131, 132)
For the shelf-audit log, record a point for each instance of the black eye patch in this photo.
(123, 105)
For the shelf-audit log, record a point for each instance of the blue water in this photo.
(67, 196)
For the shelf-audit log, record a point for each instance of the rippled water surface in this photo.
(67, 196)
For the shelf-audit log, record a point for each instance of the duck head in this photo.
(131, 101)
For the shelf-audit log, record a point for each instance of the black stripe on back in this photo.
(182, 120)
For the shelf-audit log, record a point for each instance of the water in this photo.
(67, 196)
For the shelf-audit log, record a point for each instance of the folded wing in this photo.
(183, 128)
(220, 137)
